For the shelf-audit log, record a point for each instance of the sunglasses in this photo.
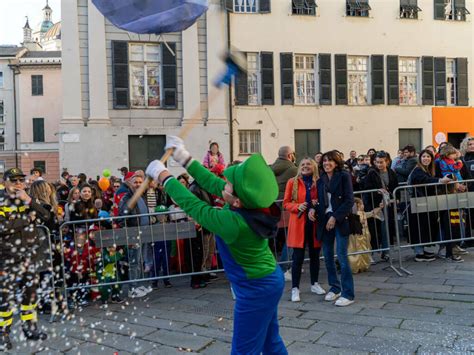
(116, 186)
(15, 180)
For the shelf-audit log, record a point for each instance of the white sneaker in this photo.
(331, 296)
(145, 289)
(317, 289)
(295, 294)
(287, 275)
(343, 302)
(136, 293)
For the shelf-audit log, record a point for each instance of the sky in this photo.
(12, 17)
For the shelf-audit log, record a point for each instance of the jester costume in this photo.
(241, 236)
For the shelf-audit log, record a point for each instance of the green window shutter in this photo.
(325, 80)
(440, 81)
(392, 80)
(229, 5)
(428, 80)
(268, 96)
(170, 76)
(286, 72)
(439, 10)
(37, 85)
(241, 88)
(265, 6)
(340, 61)
(38, 130)
(462, 82)
(378, 87)
(120, 86)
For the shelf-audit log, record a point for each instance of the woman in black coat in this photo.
(424, 227)
(335, 201)
(380, 177)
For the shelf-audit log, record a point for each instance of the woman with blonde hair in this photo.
(45, 194)
(74, 195)
(300, 195)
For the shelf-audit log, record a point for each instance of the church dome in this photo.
(45, 26)
(54, 32)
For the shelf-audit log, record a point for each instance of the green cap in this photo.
(254, 182)
(161, 208)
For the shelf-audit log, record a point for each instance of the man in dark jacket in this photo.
(19, 241)
(284, 168)
(138, 254)
(408, 164)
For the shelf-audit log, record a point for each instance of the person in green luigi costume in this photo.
(242, 230)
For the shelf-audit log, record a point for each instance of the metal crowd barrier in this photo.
(382, 230)
(100, 255)
(433, 214)
(46, 269)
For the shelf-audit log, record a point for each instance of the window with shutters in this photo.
(451, 94)
(357, 80)
(408, 80)
(253, 78)
(409, 9)
(2, 112)
(40, 164)
(2, 139)
(1, 79)
(455, 10)
(246, 6)
(249, 142)
(304, 77)
(37, 85)
(303, 7)
(358, 8)
(145, 75)
(38, 130)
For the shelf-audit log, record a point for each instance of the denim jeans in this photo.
(135, 262)
(286, 255)
(347, 281)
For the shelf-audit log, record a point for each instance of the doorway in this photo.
(456, 138)
(143, 149)
(307, 143)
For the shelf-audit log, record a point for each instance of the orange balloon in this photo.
(104, 183)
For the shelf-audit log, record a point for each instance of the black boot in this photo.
(31, 331)
(5, 343)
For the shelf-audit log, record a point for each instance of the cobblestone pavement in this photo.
(429, 312)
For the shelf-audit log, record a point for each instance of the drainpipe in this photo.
(231, 115)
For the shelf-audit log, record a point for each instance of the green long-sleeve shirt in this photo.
(248, 254)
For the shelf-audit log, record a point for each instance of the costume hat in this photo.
(254, 182)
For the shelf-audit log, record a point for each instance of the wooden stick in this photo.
(184, 132)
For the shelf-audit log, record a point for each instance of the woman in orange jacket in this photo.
(300, 195)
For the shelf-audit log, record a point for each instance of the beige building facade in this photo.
(39, 111)
(335, 76)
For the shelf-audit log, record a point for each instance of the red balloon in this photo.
(104, 183)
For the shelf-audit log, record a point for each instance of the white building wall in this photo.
(345, 127)
(103, 143)
(6, 95)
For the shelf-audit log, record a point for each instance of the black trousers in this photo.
(298, 258)
(17, 279)
(194, 255)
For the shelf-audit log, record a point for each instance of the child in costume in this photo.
(108, 273)
(361, 242)
(243, 226)
(449, 162)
